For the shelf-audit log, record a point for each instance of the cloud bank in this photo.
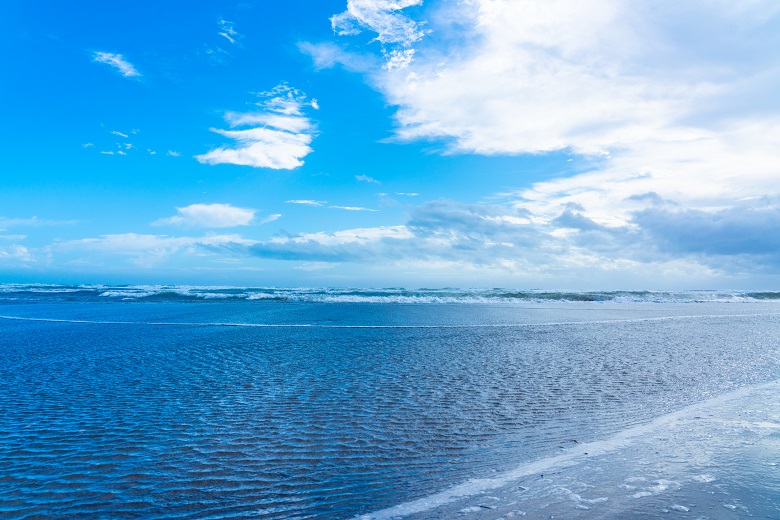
(667, 111)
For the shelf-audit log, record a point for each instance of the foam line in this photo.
(326, 326)
(570, 458)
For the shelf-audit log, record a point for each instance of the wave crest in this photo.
(359, 295)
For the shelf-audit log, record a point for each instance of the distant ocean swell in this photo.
(355, 295)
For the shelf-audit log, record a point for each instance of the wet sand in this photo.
(718, 459)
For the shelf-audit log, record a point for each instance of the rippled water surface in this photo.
(196, 408)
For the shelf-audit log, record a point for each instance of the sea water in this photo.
(193, 402)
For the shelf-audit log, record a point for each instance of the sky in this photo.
(588, 144)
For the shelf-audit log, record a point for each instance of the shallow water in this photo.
(307, 409)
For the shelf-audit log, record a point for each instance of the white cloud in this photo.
(307, 202)
(382, 17)
(366, 178)
(227, 30)
(396, 31)
(398, 59)
(282, 140)
(271, 218)
(87, 145)
(209, 216)
(672, 248)
(410, 194)
(173, 153)
(294, 124)
(348, 236)
(675, 99)
(118, 62)
(16, 252)
(120, 134)
(150, 250)
(326, 55)
(352, 208)
(6, 222)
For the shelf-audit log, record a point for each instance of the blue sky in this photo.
(595, 144)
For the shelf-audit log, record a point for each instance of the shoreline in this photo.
(723, 422)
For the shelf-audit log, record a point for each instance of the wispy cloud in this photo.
(209, 216)
(173, 153)
(147, 251)
(227, 30)
(118, 62)
(410, 194)
(280, 143)
(326, 55)
(353, 208)
(394, 30)
(6, 222)
(271, 218)
(120, 134)
(382, 17)
(307, 202)
(366, 178)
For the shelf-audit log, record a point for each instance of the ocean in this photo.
(224, 402)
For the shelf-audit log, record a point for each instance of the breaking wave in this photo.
(359, 295)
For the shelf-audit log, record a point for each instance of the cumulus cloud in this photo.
(118, 62)
(209, 216)
(670, 99)
(279, 136)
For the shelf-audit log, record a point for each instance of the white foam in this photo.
(570, 458)
(400, 295)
